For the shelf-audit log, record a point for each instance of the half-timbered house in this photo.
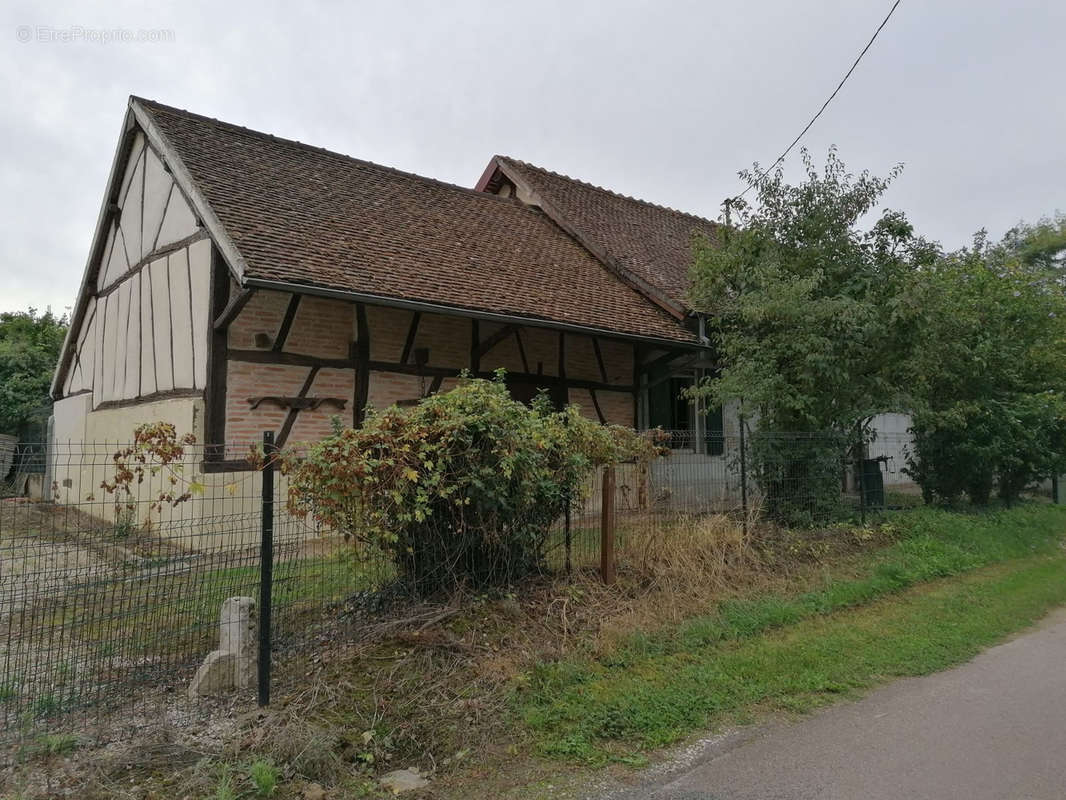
(240, 282)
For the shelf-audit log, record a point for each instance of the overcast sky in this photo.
(661, 100)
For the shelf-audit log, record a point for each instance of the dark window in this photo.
(670, 410)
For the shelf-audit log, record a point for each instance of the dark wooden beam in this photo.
(289, 359)
(596, 404)
(148, 259)
(215, 394)
(475, 355)
(562, 368)
(290, 418)
(409, 344)
(362, 365)
(482, 348)
(521, 349)
(452, 372)
(435, 386)
(234, 307)
(148, 398)
(599, 358)
(637, 351)
(286, 325)
(659, 361)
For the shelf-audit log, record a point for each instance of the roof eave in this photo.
(459, 311)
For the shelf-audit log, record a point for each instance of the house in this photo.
(239, 282)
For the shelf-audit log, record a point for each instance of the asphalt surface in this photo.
(991, 729)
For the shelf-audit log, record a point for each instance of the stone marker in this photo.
(403, 780)
(233, 664)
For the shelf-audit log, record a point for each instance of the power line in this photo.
(825, 105)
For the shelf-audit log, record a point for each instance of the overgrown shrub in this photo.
(461, 489)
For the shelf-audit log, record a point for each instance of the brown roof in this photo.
(308, 216)
(651, 243)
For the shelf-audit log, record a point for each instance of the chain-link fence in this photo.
(120, 573)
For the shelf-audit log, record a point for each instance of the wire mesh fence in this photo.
(113, 592)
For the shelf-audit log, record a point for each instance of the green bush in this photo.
(799, 476)
(976, 447)
(460, 490)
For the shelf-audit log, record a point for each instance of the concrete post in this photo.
(233, 664)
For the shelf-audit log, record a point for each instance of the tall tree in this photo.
(1041, 245)
(29, 349)
(987, 376)
(804, 305)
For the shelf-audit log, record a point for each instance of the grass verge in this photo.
(850, 634)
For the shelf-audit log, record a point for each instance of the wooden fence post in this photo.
(607, 526)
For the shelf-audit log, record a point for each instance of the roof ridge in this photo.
(155, 104)
(605, 190)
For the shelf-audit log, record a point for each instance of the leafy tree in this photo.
(805, 310)
(1041, 245)
(805, 306)
(29, 349)
(987, 374)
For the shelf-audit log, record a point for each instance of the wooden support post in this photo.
(475, 352)
(362, 365)
(607, 527)
(217, 364)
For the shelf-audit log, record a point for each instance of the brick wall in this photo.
(262, 314)
(325, 328)
(321, 328)
(617, 407)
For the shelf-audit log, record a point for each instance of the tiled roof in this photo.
(312, 217)
(650, 242)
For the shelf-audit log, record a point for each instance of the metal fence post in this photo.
(743, 479)
(566, 532)
(860, 457)
(266, 568)
(607, 526)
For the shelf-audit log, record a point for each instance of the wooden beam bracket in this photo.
(232, 309)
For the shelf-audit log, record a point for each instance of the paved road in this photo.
(992, 729)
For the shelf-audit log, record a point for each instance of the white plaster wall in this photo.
(893, 440)
(179, 221)
(157, 185)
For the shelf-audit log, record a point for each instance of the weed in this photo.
(265, 776)
(46, 704)
(224, 789)
(56, 744)
(125, 521)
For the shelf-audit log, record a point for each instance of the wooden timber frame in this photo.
(228, 301)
